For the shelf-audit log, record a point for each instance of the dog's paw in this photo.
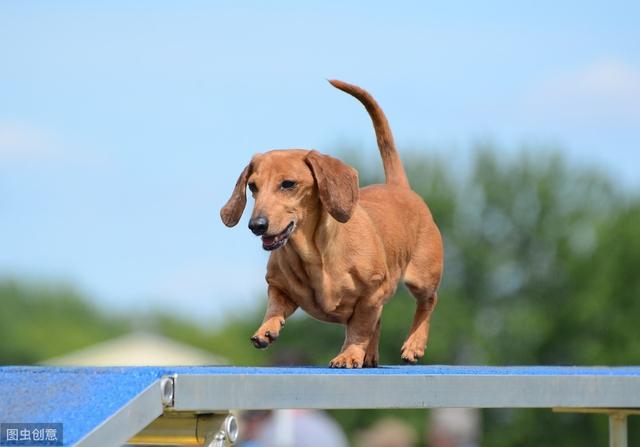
(370, 361)
(267, 333)
(352, 357)
(411, 353)
(373, 363)
(371, 358)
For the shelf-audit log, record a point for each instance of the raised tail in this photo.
(393, 169)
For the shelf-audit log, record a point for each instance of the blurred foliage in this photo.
(43, 321)
(541, 268)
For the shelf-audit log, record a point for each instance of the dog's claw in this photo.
(370, 364)
(270, 336)
(411, 354)
(351, 357)
(258, 342)
(337, 364)
(410, 360)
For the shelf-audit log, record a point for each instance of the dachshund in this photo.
(339, 251)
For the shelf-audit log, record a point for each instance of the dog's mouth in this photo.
(270, 243)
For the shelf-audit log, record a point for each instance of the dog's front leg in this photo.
(361, 331)
(279, 308)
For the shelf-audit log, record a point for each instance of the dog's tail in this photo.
(393, 169)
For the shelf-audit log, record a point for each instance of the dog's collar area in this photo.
(270, 243)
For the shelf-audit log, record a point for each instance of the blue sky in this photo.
(124, 126)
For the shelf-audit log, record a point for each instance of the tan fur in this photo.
(349, 248)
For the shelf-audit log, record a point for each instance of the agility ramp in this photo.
(188, 405)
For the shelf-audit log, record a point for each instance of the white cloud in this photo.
(24, 143)
(21, 142)
(606, 91)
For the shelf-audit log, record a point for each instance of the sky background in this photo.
(124, 126)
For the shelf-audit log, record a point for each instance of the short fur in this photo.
(349, 247)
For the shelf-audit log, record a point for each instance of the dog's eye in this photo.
(288, 184)
(253, 188)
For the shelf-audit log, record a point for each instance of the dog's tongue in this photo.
(268, 240)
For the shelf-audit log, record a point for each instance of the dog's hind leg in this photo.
(422, 278)
(413, 348)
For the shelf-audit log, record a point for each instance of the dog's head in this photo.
(288, 186)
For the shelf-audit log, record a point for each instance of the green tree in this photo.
(42, 321)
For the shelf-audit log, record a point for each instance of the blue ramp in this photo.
(82, 399)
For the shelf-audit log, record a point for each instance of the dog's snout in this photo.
(258, 225)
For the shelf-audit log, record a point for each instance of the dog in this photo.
(338, 251)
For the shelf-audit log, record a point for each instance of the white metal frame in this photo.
(617, 395)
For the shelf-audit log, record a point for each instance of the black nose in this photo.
(259, 225)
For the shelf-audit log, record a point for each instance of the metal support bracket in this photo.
(183, 428)
(617, 421)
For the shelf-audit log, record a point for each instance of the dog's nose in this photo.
(258, 225)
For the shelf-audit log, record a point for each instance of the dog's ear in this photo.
(232, 211)
(337, 184)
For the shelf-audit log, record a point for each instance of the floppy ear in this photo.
(337, 184)
(232, 211)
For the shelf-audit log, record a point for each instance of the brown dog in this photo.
(338, 251)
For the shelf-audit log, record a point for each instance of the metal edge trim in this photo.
(128, 420)
(224, 392)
